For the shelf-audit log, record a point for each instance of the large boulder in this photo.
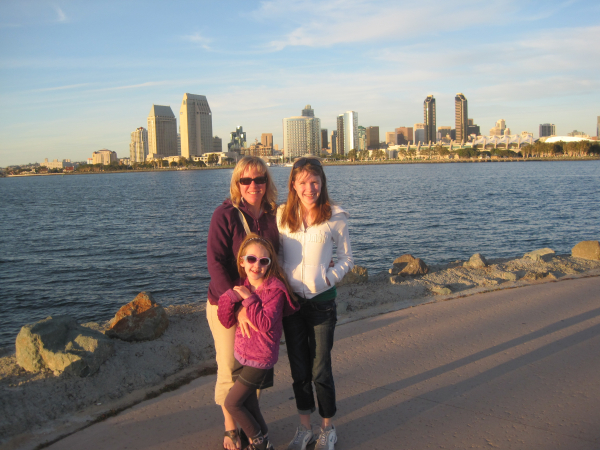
(142, 319)
(587, 250)
(357, 275)
(61, 345)
(543, 254)
(477, 261)
(409, 266)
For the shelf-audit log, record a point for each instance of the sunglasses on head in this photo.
(258, 180)
(251, 259)
(304, 161)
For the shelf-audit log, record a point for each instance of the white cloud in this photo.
(132, 86)
(61, 88)
(198, 39)
(61, 16)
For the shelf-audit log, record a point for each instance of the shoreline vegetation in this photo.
(40, 408)
(327, 162)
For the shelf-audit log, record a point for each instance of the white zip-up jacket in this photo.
(305, 255)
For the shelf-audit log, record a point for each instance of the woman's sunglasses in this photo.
(251, 259)
(257, 180)
(304, 161)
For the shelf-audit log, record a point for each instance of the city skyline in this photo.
(78, 77)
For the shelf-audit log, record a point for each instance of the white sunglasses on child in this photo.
(251, 259)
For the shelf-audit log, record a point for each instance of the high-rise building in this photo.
(104, 157)
(391, 138)
(324, 139)
(372, 138)
(308, 111)
(547, 129)
(195, 126)
(429, 119)
(217, 145)
(404, 135)
(461, 118)
(266, 139)
(333, 142)
(347, 132)
(237, 140)
(445, 133)
(301, 135)
(162, 131)
(419, 133)
(500, 129)
(362, 138)
(598, 127)
(473, 128)
(138, 147)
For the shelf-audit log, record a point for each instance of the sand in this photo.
(36, 405)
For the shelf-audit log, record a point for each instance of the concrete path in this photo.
(511, 369)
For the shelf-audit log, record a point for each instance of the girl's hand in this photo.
(244, 323)
(242, 291)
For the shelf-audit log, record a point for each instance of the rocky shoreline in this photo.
(39, 407)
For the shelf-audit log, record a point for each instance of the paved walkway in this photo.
(511, 369)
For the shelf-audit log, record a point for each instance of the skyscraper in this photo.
(372, 138)
(324, 138)
(333, 142)
(195, 123)
(429, 119)
(301, 135)
(404, 135)
(347, 132)
(138, 147)
(237, 141)
(598, 127)
(461, 118)
(308, 111)
(162, 131)
(217, 145)
(419, 132)
(547, 129)
(500, 129)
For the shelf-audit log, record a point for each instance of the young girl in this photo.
(265, 294)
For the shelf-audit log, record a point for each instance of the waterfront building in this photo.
(138, 147)
(404, 135)
(333, 142)
(419, 133)
(372, 138)
(547, 129)
(195, 125)
(445, 133)
(362, 138)
(162, 131)
(237, 140)
(429, 119)
(461, 118)
(301, 135)
(258, 149)
(391, 138)
(266, 139)
(217, 144)
(347, 132)
(578, 133)
(324, 139)
(104, 157)
(308, 111)
(56, 164)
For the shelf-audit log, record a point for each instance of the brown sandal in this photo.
(235, 438)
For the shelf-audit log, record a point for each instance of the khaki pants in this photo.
(224, 339)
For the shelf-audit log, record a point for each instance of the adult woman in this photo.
(309, 226)
(251, 205)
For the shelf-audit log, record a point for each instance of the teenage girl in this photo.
(264, 292)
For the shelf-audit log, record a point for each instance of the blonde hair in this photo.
(273, 269)
(256, 163)
(291, 216)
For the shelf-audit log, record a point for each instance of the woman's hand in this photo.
(244, 323)
(242, 291)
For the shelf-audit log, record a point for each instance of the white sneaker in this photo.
(302, 438)
(327, 439)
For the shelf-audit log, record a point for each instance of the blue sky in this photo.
(78, 76)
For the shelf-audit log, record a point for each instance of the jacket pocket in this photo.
(315, 278)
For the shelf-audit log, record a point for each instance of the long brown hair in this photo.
(273, 270)
(253, 162)
(291, 216)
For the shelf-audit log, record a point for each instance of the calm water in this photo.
(86, 245)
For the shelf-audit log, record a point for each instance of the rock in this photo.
(587, 250)
(396, 279)
(409, 266)
(357, 275)
(139, 320)
(61, 345)
(508, 276)
(181, 353)
(441, 290)
(477, 261)
(543, 254)
(539, 276)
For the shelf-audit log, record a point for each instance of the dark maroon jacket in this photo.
(225, 235)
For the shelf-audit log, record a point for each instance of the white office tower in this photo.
(138, 147)
(162, 131)
(347, 132)
(301, 136)
(195, 126)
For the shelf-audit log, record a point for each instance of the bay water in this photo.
(86, 245)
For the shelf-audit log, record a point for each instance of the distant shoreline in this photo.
(335, 163)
